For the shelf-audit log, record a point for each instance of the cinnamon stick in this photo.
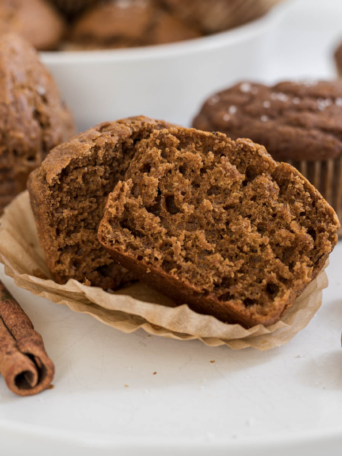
(24, 363)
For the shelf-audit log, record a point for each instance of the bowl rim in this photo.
(183, 48)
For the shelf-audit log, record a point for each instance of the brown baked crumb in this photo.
(220, 224)
(68, 194)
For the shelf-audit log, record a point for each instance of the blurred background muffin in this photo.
(167, 28)
(35, 20)
(127, 23)
(218, 15)
(106, 24)
(71, 8)
(33, 118)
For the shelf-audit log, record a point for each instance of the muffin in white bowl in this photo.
(127, 23)
(168, 81)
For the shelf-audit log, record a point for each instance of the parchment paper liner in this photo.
(138, 306)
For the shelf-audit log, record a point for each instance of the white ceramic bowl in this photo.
(165, 82)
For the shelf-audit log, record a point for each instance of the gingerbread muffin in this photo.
(33, 117)
(218, 225)
(299, 123)
(35, 20)
(68, 195)
(218, 15)
(127, 23)
(71, 8)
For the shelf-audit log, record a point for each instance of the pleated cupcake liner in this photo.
(137, 306)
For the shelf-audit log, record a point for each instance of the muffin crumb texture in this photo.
(218, 225)
(68, 195)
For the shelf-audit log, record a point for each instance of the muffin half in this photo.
(218, 225)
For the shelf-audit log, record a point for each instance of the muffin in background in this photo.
(34, 20)
(71, 8)
(127, 23)
(218, 15)
(169, 29)
(33, 118)
(299, 123)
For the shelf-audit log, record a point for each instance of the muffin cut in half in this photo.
(68, 195)
(218, 225)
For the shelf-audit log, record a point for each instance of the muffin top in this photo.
(35, 20)
(33, 118)
(293, 120)
(128, 23)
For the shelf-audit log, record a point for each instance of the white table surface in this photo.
(107, 399)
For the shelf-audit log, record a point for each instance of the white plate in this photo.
(281, 402)
(245, 403)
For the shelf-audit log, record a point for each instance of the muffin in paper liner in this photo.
(137, 306)
(326, 176)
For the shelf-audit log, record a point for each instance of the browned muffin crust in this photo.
(293, 120)
(35, 20)
(127, 23)
(33, 118)
(218, 225)
(68, 195)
